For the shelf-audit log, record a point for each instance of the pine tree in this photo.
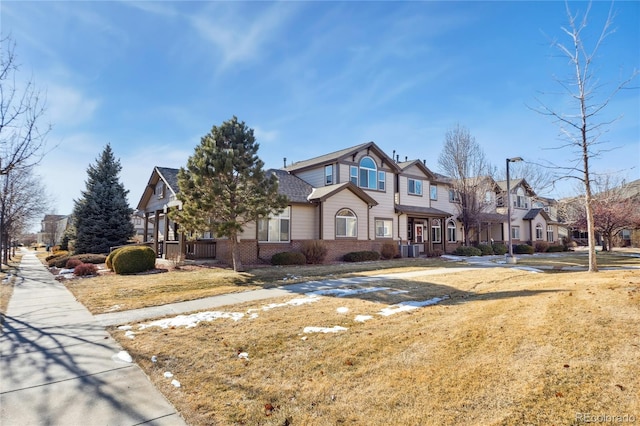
(224, 186)
(102, 217)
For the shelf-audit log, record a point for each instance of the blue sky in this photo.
(151, 78)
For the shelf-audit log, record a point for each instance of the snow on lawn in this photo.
(189, 321)
(344, 292)
(334, 329)
(410, 305)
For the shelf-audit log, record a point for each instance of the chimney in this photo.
(394, 154)
(398, 158)
(406, 158)
(285, 162)
(424, 162)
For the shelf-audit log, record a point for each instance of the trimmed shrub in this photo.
(556, 249)
(59, 261)
(467, 251)
(389, 250)
(361, 256)
(90, 258)
(314, 251)
(72, 263)
(109, 260)
(541, 246)
(485, 249)
(133, 259)
(56, 254)
(523, 249)
(84, 269)
(499, 248)
(288, 258)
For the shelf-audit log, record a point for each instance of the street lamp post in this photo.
(510, 258)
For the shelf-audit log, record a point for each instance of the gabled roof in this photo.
(170, 178)
(404, 165)
(426, 211)
(322, 193)
(342, 155)
(292, 186)
(531, 214)
(53, 217)
(514, 183)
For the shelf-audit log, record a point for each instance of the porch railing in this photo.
(200, 249)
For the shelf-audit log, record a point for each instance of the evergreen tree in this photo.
(224, 186)
(102, 217)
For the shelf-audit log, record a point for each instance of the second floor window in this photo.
(415, 187)
(328, 174)
(520, 200)
(454, 197)
(367, 175)
(433, 192)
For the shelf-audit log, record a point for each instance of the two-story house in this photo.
(357, 198)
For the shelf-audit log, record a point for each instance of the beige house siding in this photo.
(406, 199)
(342, 200)
(384, 210)
(304, 222)
(314, 177)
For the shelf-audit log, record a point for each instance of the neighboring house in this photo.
(530, 221)
(354, 199)
(52, 229)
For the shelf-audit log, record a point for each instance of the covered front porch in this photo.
(422, 227)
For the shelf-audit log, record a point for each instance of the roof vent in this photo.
(285, 161)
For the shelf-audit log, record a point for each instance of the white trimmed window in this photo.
(451, 232)
(275, 228)
(433, 192)
(436, 231)
(415, 187)
(353, 175)
(515, 232)
(346, 224)
(381, 180)
(383, 228)
(550, 236)
(538, 232)
(328, 174)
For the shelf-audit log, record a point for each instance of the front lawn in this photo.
(495, 346)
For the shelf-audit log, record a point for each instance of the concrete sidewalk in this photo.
(58, 364)
(135, 315)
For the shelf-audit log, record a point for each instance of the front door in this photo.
(419, 229)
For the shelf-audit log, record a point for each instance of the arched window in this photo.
(538, 232)
(368, 173)
(346, 224)
(451, 232)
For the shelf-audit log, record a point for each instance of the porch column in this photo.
(145, 236)
(166, 234)
(155, 231)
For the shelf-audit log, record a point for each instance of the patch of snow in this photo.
(410, 305)
(243, 355)
(168, 374)
(122, 356)
(65, 271)
(114, 308)
(130, 334)
(125, 327)
(154, 359)
(342, 310)
(528, 268)
(189, 321)
(399, 292)
(333, 329)
(343, 292)
(293, 302)
(362, 318)
(175, 383)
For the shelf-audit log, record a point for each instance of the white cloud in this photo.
(239, 38)
(68, 106)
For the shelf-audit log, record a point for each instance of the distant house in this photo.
(52, 229)
(357, 198)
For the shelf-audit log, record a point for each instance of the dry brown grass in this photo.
(507, 348)
(111, 293)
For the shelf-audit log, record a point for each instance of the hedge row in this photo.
(60, 259)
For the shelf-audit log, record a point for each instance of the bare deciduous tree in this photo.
(23, 200)
(614, 209)
(464, 161)
(22, 108)
(582, 125)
